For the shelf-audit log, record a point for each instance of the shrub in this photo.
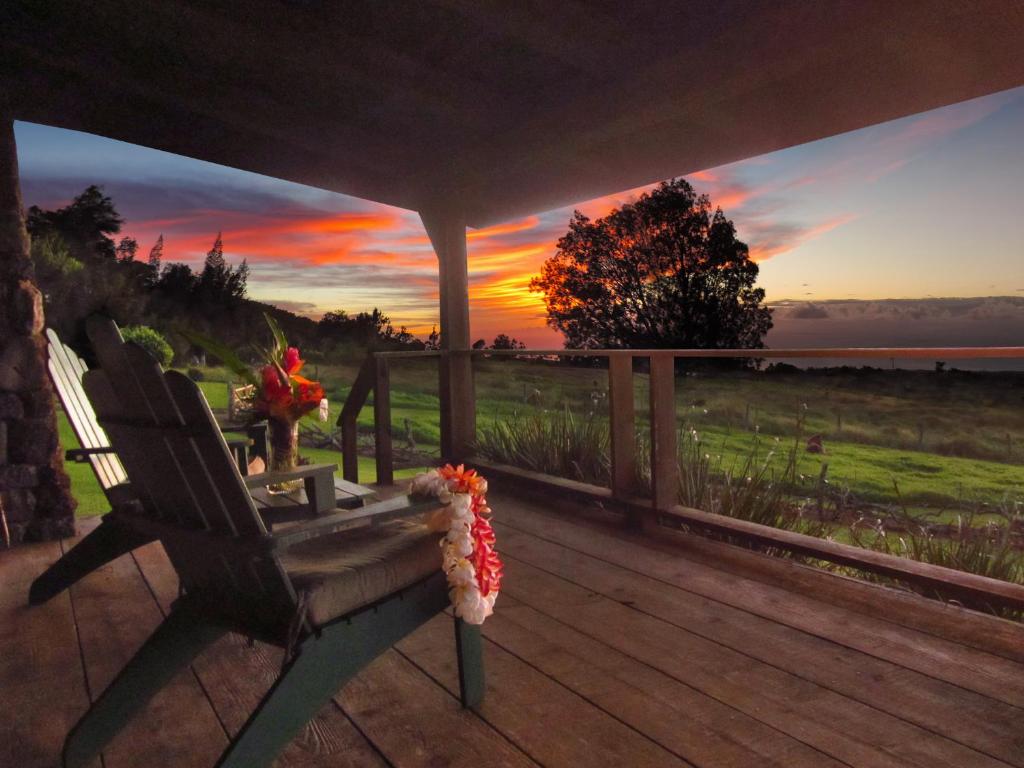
(151, 341)
(196, 374)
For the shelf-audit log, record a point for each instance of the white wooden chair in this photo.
(111, 540)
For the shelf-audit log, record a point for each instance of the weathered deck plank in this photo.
(838, 726)
(237, 675)
(416, 724)
(39, 658)
(607, 649)
(984, 724)
(857, 597)
(116, 613)
(528, 707)
(962, 665)
(683, 720)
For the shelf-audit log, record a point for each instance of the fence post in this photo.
(382, 421)
(622, 414)
(664, 455)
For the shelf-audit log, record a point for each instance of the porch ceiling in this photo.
(495, 110)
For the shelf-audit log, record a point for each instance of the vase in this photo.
(283, 437)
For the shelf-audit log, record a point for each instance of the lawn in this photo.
(920, 438)
(91, 500)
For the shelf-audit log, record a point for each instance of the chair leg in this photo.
(469, 650)
(107, 542)
(322, 666)
(176, 642)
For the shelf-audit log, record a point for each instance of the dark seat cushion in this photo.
(349, 569)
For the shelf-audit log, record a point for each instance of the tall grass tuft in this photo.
(986, 548)
(757, 486)
(560, 443)
(761, 486)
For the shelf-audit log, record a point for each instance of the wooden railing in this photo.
(374, 377)
(663, 417)
(648, 512)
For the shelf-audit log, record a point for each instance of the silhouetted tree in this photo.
(126, 249)
(661, 272)
(85, 225)
(365, 329)
(433, 340)
(156, 257)
(81, 271)
(220, 283)
(178, 281)
(504, 341)
(214, 277)
(79, 234)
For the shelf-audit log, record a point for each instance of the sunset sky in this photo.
(924, 207)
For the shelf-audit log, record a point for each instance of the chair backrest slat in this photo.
(176, 457)
(141, 461)
(66, 370)
(213, 466)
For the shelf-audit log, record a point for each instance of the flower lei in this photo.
(471, 563)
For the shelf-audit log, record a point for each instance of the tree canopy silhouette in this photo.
(219, 282)
(85, 225)
(662, 272)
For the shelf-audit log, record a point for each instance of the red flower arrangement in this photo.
(282, 393)
(276, 392)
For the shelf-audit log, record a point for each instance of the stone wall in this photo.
(34, 489)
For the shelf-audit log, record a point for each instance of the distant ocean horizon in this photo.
(986, 321)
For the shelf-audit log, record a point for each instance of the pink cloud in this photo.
(793, 237)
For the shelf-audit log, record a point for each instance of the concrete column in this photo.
(34, 489)
(447, 232)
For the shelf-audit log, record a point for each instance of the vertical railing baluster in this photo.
(349, 417)
(382, 421)
(622, 415)
(664, 458)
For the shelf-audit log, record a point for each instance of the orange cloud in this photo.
(523, 225)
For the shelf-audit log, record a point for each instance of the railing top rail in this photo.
(951, 353)
(932, 353)
(409, 353)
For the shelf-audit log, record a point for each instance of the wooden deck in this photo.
(607, 649)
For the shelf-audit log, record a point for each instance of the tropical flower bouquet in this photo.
(471, 561)
(275, 392)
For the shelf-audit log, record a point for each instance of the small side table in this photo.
(288, 507)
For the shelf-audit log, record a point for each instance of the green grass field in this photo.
(941, 439)
(917, 438)
(91, 500)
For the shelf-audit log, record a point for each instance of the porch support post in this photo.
(35, 493)
(447, 232)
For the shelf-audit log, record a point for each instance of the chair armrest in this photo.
(318, 479)
(301, 472)
(238, 442)
(80, 455)
(400, 506)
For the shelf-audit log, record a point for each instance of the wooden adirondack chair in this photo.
(111, 539)
(335, 592)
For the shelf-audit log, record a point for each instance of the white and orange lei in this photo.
(471, 562)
